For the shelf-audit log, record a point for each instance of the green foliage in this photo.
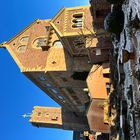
(114, 22)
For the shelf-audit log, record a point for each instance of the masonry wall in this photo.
(58, 118)
(27, 56)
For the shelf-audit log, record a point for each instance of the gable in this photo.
(58, 22)
(21, 47)
(71, 21)
(13, 44)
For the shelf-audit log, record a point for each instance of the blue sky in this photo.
(18, 95)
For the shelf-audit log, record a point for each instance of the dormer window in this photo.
(77, 20)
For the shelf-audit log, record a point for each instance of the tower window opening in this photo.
(78, 15)
(77, 20)
(77, 25)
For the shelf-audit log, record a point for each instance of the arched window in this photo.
(61, 97)
(47, 85)
(78, 15)
(40, 42)
(25, 39)
(22, 48)
(77, 20)
(57, 44)
(77, 25)
(54, 90)
(42, 78)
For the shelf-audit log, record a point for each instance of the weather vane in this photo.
(28, 115)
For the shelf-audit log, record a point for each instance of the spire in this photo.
(28, 115)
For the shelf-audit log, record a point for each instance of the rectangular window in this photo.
(108, 88)
(98, 51)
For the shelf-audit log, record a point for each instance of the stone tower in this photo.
(58, 118)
